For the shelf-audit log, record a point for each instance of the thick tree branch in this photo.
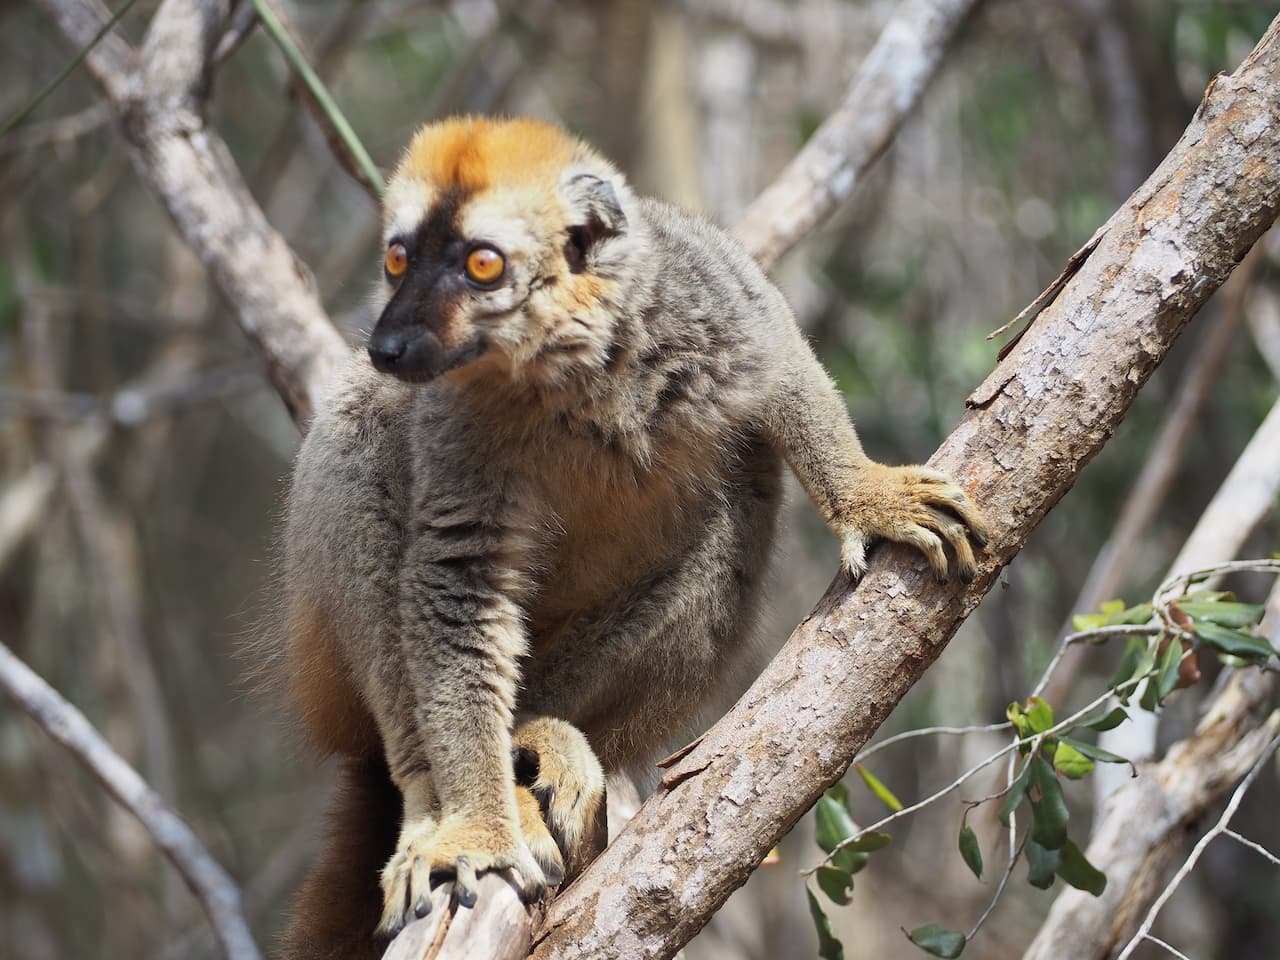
(215, 890)
(161, 105)
(832, 164)
(1040, 416)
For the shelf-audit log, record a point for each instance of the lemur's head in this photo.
(505, 244)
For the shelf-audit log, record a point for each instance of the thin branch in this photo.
(1173, 950)
(1255, 847)
(825, 173)
(348, 148)
(1212, 834)
(928, 732)
(215, 890)
(70, 68)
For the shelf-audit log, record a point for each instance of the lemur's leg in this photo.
(859, 498)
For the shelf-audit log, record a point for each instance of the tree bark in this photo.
(1039, 417)
(161, 105)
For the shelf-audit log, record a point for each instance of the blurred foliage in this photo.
(1030, 137)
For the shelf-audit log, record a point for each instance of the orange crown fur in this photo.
(473, 153)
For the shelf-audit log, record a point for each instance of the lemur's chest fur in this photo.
(606, 525)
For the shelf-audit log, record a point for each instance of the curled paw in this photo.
(456, 851)
(561, 794)
(918, 506)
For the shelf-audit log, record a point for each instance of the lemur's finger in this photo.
(947, 494)
(533, 883)
(420, 884)
(953, 531)
(396, 906)
(464, 884)
(930, 544)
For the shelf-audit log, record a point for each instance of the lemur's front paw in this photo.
(455, 851)
(916, 506)
(561, 794)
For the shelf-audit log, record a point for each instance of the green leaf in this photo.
(1224, 614)
(1070, 762)
(837, 884)
(1049, 811)
(1079, 872)
(832, 823)
(938, 941)
(869, 842)
(1013, 798)
(1111, 607)
(970, 851)
(1208, 596)
(840, 793)
(1167, 676)
(1129, 660)
(1133, 616)
(1097, 753)
(829, 948)
(1039, 715)
(1236, 642)
(883, 793)
(1083, 622)
(1042, 865)
(1108, 721)
(1018, 717)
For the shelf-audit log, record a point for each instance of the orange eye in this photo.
(396, 261)
(485, 265)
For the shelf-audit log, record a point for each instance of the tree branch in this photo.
(832, 164)
(185, 163)
(1035, 422)
(215, 890)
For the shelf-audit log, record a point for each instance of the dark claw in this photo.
(966, 576)
(527, 765)
(396, 927)
(466, 896)
(981, 539)
(941, 578)
(422, 907)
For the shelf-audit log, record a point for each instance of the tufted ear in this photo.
(595, 216)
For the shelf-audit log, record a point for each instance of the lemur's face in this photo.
(495, 237)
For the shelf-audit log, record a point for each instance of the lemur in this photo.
(534, 514)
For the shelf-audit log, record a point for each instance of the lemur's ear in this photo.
(595, 215)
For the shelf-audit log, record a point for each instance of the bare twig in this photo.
(1212, 834)
(824, 174)
(67, 725)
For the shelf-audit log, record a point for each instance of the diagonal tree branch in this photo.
(161, 106)
(1034, 423)
(216, 891)
(832, 164)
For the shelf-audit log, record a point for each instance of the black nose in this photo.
(387, 351)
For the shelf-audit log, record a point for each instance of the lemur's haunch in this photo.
(538, 508)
